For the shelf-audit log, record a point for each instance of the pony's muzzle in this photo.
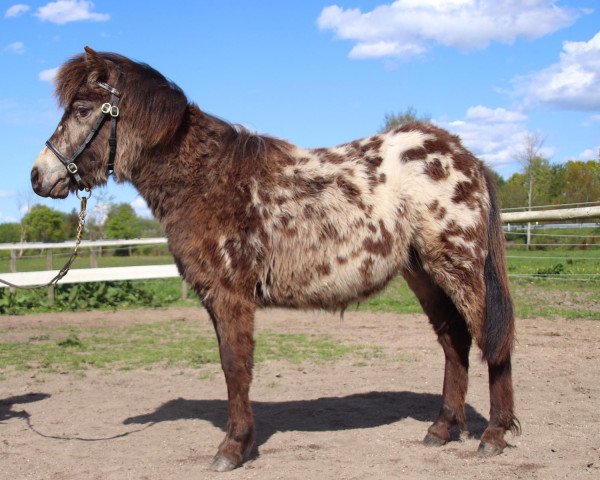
(49, 177)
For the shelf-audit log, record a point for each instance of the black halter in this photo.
(108, 109)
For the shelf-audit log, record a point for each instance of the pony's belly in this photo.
(334, 281)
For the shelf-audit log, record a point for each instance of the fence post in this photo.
(184, 290)
(49, 267)
(13, 266)
(93, 258)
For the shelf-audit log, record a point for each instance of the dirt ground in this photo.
(344, 420)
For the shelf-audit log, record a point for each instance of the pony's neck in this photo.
(165, 175)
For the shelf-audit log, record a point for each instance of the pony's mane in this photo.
(154, 104)
(243, 145)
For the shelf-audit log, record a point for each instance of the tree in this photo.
(44, 224)
(532, 162)
(393, 120)
(24, 202)
(96, 220)
(556, 188)
(495, 176)
(10, 232)
(582, 181)
(71, 223)
(150, 227)
(540, 175)
(122, 222)
(513, 192)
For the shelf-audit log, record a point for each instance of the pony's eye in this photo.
(83, 112)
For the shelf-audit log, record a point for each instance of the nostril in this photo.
(35, 176)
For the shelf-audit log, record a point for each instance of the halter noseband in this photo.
(108, 109)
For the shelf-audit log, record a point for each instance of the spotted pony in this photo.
(253, 221)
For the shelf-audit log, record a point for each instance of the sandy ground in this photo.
(346, 420)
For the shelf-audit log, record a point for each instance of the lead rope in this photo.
(66, 267)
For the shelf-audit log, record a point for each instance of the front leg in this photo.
(233, 319)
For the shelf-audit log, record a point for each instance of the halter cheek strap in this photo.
(108, 109)
(111, 109)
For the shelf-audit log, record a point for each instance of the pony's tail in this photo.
(499, 321)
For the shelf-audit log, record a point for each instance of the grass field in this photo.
(174, 343)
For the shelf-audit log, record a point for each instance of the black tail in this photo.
(499, 322)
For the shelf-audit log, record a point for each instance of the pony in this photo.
(253, 221)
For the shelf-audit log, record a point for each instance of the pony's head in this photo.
(114, 110)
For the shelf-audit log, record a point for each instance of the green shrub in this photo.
(85, 296)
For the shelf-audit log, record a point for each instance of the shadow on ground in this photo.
(363, 410)
(6, 405)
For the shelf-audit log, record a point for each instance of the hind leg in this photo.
(463, 318)
(502, 417)
(455, 339)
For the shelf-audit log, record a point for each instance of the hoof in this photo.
(432, 441)
(222, 464)
(489, 450)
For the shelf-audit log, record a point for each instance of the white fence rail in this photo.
(83, 275)
(551, 215)
(84, 244)
(170, 271)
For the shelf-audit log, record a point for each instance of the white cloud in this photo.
(48, 75)
(141, 208)
(494, 135)
(15, 47)
(384, 49)
(498, 115)
(406, 28)
(65, 11)
(590, 154)
(16, 10)
(572, 83)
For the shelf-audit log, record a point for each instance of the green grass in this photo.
(396, 297)
(173, 343)
(521, 261)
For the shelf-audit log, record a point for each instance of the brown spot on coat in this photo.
(436, 170)
(382, 247)
(350, 191)
(366, 270)
(375, 143)
(437, 145)
(323, 268)
(331, 157)
(342, 260)
(414, 154)
(466, 192)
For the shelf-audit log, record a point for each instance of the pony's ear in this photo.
(96, 65)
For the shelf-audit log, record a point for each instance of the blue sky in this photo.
(319, 73)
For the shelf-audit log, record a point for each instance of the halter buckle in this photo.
(109, 109)
(72, 168)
